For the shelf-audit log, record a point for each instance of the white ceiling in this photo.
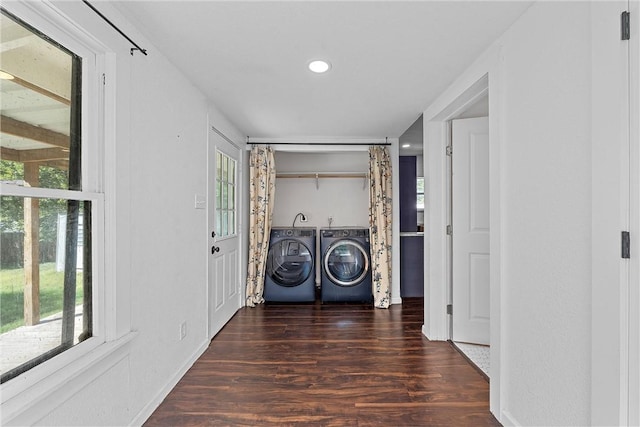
(390, 59)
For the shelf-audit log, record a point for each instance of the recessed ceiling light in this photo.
(319, 66)
(406, 145)
(5, 76)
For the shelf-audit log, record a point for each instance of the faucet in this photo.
(302, 219)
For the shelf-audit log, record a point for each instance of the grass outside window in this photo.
(12, 294)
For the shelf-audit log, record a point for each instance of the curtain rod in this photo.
(144, 51)
(324, 143)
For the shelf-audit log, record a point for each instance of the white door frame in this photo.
(615, 187)
(634, 221)
(482, 77)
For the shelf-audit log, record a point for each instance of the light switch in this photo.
(201, 201)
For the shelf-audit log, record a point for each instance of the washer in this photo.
(290, 272)
(346, 265)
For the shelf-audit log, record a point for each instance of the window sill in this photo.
(38, 391)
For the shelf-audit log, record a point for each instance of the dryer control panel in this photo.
(345, 232)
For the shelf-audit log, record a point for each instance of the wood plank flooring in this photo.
(327, 365)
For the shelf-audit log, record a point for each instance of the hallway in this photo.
(330, 365)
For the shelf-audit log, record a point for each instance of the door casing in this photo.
(483, 78)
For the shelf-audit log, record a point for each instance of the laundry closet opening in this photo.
(337, 198)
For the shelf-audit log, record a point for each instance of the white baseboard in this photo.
(425, 332)
(153, 404)
(507, 420)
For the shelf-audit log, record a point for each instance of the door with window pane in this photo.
(224, 251)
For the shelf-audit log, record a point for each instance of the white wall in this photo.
(547, 221)
(345, 199)
(160, 240)
(541, 72)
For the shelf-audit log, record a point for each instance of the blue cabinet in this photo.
(407, 193)
(411, 266)
(411, 244)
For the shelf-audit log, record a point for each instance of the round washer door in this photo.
(289, 262)
(346, 263)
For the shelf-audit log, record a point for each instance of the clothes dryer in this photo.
(290, 271)
(346, 265)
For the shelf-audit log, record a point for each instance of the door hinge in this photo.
(104, 79)
(626, 245)
(449, 150)
(449, 230)
(625, 26)
(449, 308)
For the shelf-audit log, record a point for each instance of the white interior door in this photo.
(470, 222)
(224, 243)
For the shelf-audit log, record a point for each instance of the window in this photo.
(46, 260)
(225, 195)
(420, 193)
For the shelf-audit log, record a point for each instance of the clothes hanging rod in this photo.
(144, 51)
(322, 175)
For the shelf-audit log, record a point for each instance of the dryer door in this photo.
(289, 262)
(346, 263)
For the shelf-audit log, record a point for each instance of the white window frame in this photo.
(418, 208)
(36, 392)
(235, 196)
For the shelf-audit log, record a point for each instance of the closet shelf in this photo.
(318, 175)
(322, 175)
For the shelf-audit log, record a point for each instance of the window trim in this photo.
(235, 196)
(97, 234)
(420, 209)
(72, 370)
(34, 393)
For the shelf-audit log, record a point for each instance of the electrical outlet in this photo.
(183, 330)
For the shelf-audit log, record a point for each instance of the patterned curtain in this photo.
(380, 217)
(262, 180)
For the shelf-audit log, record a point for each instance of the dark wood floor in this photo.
(329, 365)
